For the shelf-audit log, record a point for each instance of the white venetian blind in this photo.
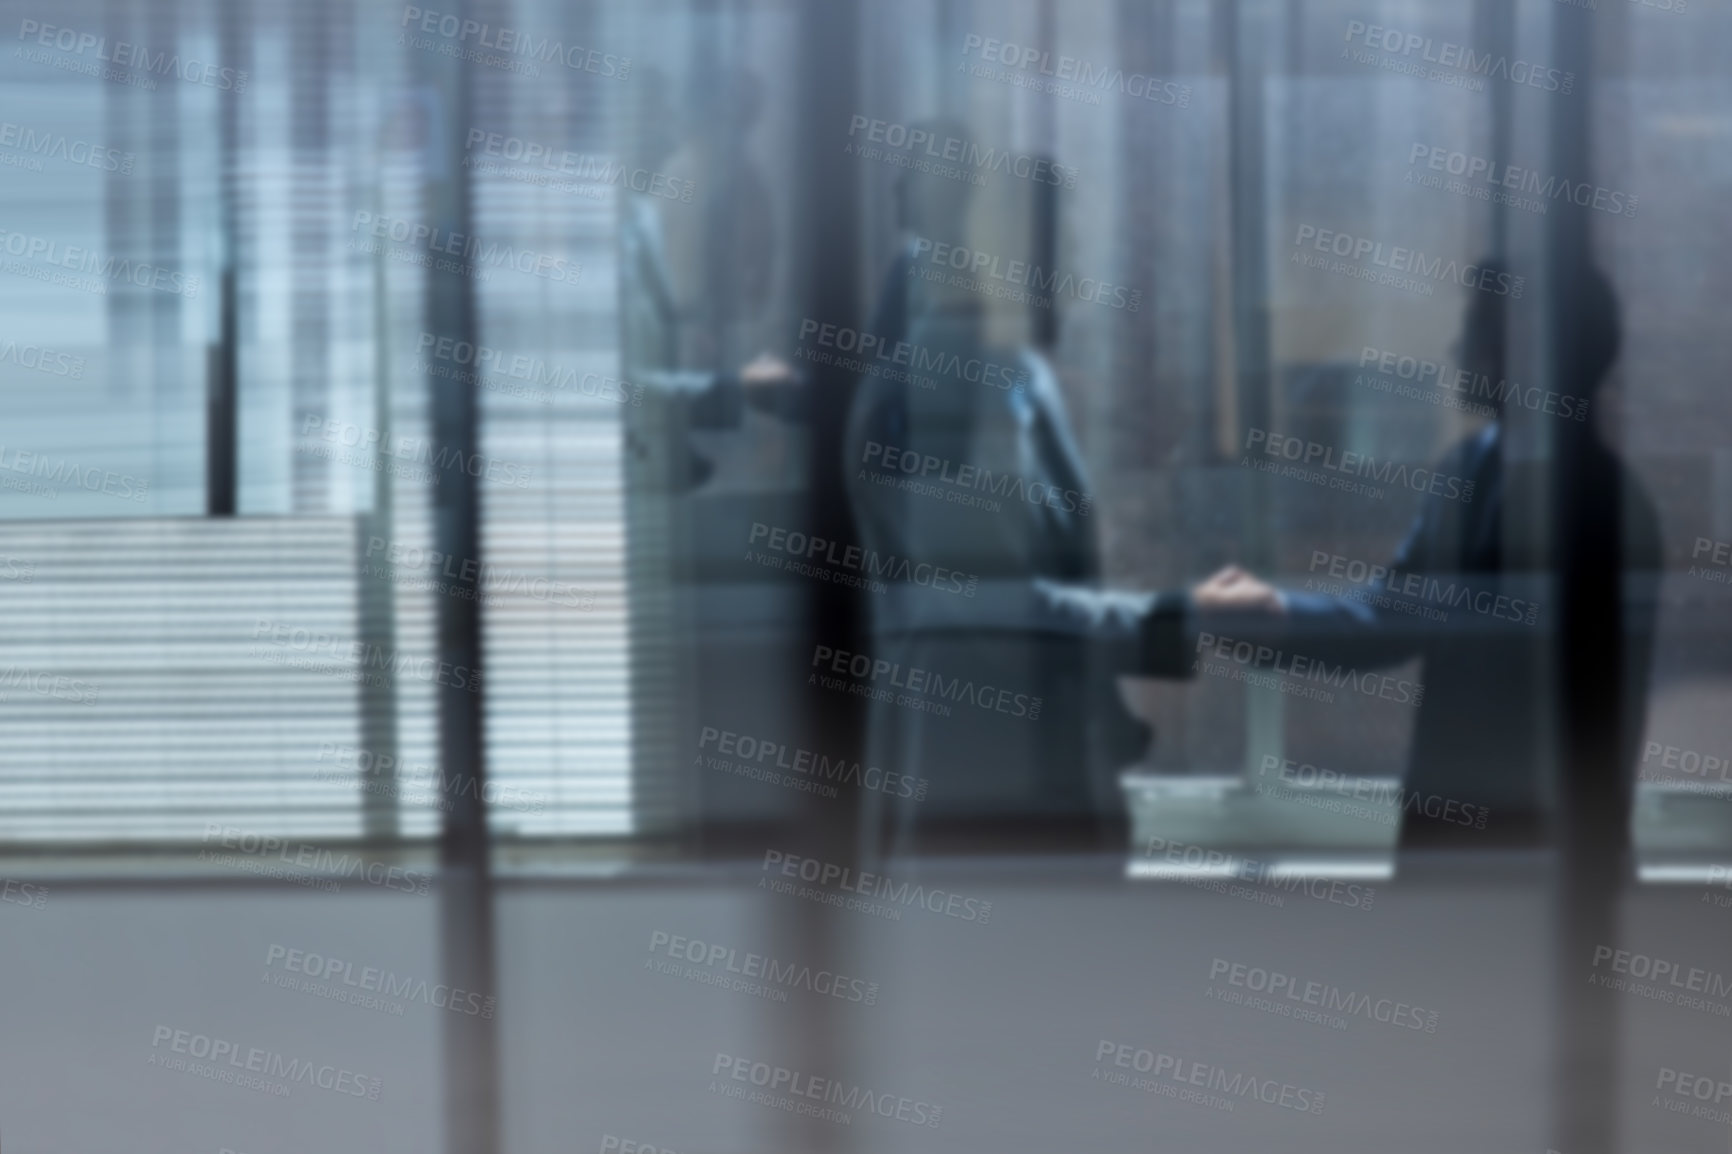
(146, 689)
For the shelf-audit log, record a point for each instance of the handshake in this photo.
(1149, 634)
(1233, 590)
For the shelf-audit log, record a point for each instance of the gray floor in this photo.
(998, 1023)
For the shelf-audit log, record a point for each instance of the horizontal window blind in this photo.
(159, 675)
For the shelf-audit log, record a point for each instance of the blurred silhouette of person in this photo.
(1499, 705)
(1507, 702)
(969, 465)
(697, 256)
(721, 244)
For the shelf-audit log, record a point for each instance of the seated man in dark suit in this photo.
(1499, 705)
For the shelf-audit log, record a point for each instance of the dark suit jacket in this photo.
(980, 760)
(1487, 728)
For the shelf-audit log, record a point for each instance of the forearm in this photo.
(1140, 634)
(1132, 634)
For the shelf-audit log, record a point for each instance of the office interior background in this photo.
(417, 649)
